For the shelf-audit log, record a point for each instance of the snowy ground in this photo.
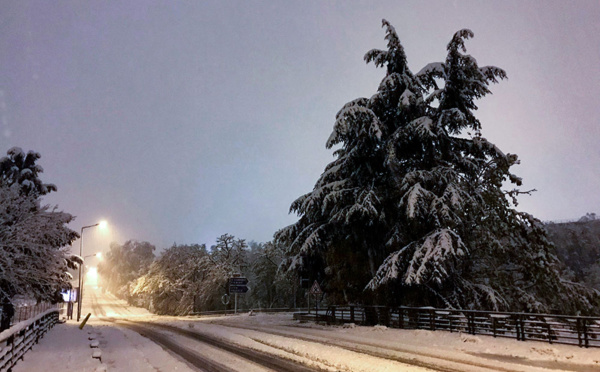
(315, 346)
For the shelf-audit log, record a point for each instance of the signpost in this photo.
(316, 291)
(237, 285)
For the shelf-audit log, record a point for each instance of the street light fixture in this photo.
(102, 224)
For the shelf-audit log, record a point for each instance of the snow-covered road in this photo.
(214, 347)
(132, 339)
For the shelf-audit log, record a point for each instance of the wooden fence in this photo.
(17, 340)
(561, 329)
(27, 312)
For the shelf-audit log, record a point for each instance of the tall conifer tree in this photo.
(413, 208)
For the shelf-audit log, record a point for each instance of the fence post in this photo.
(432, 319)
(401, 317)
(585, 333)
(352, 314)
(549, 330)
(471, 323)
(578, 327)
(384, 316)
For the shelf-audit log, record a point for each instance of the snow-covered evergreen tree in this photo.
(413, 206)
(20, 168)
(34, 239)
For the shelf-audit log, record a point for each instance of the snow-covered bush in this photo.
(124, 264)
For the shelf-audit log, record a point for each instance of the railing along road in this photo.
(561, 329)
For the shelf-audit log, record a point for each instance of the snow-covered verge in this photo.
(307, 339)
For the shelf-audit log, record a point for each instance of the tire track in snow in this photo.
(258, 357)
(439, 363)
(96, 309)
(196, 360)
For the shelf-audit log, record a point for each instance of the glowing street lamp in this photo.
(102, 225)
(97, 254)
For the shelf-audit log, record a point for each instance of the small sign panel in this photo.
(316, 289)
(238, 289)
(238, 281)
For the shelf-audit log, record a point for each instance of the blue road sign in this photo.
(238, 281)
(238, 289)
(238, 285)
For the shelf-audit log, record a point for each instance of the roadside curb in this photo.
(94, 342)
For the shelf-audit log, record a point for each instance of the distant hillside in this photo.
(578, 246)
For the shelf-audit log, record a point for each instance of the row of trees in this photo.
(188, 278)
(412, 211)
(34, 238)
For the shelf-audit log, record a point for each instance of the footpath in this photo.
(101, 345)
(65, 347)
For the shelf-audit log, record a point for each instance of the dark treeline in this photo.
(578, 247)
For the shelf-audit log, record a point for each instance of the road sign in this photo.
(238, 289)
(238, 281)
(316, 289)
(238, 285)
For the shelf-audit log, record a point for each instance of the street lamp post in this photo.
(80, 277)
(83, 280)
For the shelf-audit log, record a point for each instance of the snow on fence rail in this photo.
(561, 329)
(20, 338)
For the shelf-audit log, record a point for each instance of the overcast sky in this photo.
(179, 121)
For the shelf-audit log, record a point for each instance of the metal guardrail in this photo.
(14, 345)
(582, 331)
